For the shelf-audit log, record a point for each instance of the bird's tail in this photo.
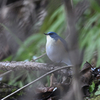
(67, 61)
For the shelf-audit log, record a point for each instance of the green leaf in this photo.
(98, 91)
(91, 88)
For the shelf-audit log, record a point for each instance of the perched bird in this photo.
(56, 48)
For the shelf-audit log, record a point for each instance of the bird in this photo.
(57, 48)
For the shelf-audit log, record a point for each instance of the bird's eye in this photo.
(51, 33)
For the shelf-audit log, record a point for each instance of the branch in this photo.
(1, 75)
(73, 50)
(39, 57)
(25, 65)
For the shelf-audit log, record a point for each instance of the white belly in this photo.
(54, 52)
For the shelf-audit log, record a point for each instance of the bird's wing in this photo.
(64, 43)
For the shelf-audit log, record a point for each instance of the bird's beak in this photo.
(45, 33)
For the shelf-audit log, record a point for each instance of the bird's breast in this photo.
(54, 49)
(50, 45)
(50, 41)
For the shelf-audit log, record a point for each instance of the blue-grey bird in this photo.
(56, 48)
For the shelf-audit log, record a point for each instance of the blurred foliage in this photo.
(34, 46)
(92, 87)
(55, 21)
(98, 92)
(96, 98)
(90, 32)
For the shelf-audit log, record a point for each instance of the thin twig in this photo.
(35, 81)
(5, 73)
(39, 57)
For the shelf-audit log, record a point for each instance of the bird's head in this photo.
(52, 35)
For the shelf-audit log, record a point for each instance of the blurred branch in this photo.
(32, 60)
(26, 65)
(73, 50)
